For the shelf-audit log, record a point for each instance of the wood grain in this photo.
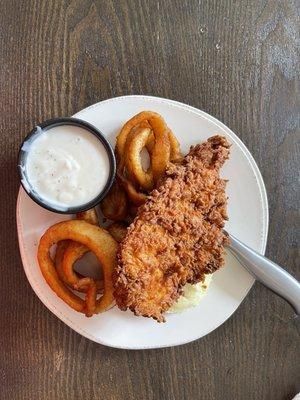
(239, 61)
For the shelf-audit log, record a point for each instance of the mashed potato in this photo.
(192, 295)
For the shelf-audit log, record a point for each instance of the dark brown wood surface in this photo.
(237, 60)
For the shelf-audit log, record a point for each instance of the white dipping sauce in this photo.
(67, 166)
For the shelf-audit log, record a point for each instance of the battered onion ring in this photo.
(161, 149)
(134, 121)
(133, 159)
(118, 231)
(89, 285)
(89, 216)
(135, 131)
(98, 241)
(160, 152)
(74, 252)
(175, 153)
(134, 195)
(114, 205)
(91, 300)
(59, 256)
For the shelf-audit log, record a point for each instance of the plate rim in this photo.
(264, 233)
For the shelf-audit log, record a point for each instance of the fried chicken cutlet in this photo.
(177, 236)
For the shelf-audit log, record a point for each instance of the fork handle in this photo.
(267, 272)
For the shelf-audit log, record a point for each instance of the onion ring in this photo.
(91, 299)
(134, 195)
(175, 153)
(161, 149)
(59, 256)
(89, 216)
(73, 251)
(84, 285)
(144, 137)
(160, 153)
(122, 136)
(88, 285)
(133, 159)
(98, 240)
(118, 231)
(114, 205)
(136, 182)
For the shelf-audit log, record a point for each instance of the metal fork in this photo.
(267, 272)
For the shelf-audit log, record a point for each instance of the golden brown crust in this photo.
(177, 236)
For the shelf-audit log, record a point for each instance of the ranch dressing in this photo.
(67, 166)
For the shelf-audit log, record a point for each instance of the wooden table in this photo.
(236, 60)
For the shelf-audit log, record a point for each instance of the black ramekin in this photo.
(38, 130)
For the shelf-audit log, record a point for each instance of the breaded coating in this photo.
(177, 236)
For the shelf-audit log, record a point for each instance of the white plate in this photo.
(248, 220)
